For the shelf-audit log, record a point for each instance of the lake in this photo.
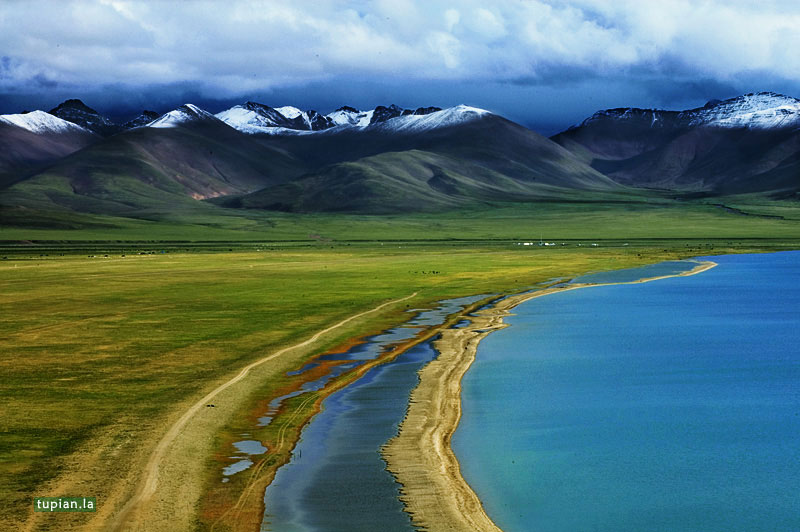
(672, 405)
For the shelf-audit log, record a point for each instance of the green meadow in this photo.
(109, 331)
(746, 216)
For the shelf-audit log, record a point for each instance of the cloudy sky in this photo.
(544, 63)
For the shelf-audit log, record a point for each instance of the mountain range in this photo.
(745, 144)
(389, 159)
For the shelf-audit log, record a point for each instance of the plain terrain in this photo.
(110, 331)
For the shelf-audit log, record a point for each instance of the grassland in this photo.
(101, 354)
(651, 217)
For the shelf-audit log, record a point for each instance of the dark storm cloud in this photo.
(668, 92)
(42, 81)
(556, 75)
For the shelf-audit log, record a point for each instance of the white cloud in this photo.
(445, 47)
(487, 24)
(240, 45)
(451, 18)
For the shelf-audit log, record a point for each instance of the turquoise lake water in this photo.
(670, 267)
(670, 406)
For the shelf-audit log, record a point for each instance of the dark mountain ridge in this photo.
(77, 112)
(33, 140)
(142, 120)
(488, 159)
(746, 144)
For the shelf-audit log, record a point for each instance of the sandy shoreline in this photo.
(433, 489)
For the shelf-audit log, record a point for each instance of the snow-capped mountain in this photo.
(762, 110)
(255, 118)
(184, 114)
(252, 118)
(41, 122)
(745, 144)
(258, 118)
(30, 140)
(391, 159)
(350, 116)
(79, 113)
(289, 112)
(316, 121)
(304, 120)
(426, 121)
(383, 114)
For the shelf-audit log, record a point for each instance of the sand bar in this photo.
(420, 456)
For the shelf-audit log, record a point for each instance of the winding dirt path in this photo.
(149, 481)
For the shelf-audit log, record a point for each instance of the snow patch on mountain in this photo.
(246, 120)
(41, 122)
(259, 118)
(289, 112)
(413, 123)
(182, 115)
(763, 110)
(314, 120)
(297, 119)
(256, 118)
(348, 116)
